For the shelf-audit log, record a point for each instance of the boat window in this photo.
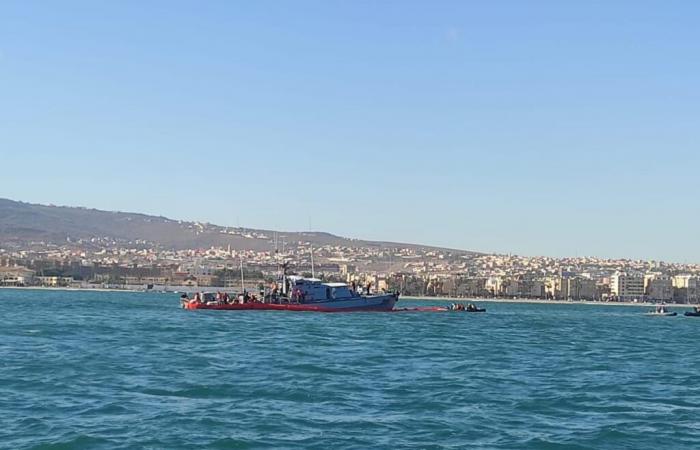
(328, 292)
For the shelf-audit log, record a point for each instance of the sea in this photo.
(118, 370)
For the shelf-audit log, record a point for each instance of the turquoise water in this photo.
(132, 370)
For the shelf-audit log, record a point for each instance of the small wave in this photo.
(75, 443)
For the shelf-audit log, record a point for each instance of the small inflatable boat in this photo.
(470, 308)
(662, 314)
(692, 314)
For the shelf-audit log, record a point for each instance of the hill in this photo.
(23, 224)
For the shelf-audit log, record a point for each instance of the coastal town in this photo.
(103, 263)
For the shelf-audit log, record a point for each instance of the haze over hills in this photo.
(23, 224)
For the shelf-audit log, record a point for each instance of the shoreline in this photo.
(72, 289)
(417, 298)
(546, 302)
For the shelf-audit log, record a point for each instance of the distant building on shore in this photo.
(55, 281)
(625, 287)
(658, 287)
(531, 288)
(16, 276)
(570, 287)
(686, 289)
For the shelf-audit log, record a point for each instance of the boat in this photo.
(663, 314)
(422, 309)
(438, 309)
(301, 294)
(661, 310)
(470, 308)
(694, 313)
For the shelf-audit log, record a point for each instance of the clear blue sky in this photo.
(531, 127)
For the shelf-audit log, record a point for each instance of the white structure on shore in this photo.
(686, 288)
(658, 287)
(627, 287)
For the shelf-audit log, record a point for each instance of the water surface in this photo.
(131, 370)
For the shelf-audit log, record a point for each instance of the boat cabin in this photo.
(313, 290)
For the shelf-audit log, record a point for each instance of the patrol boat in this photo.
(304, 294)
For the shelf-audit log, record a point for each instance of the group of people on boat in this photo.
(275, 295)
(470, 307)
(661, 309)
(220, 298)
(357, 289)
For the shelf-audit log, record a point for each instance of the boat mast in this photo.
(242, 282)
(313, 272)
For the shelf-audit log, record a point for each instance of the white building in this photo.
(686, 288)
(511, 288)
(493, 285)
(575, 288)
(15, 276)
(658, 287)
(627, 287)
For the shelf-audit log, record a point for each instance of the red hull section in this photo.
(283, 307)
